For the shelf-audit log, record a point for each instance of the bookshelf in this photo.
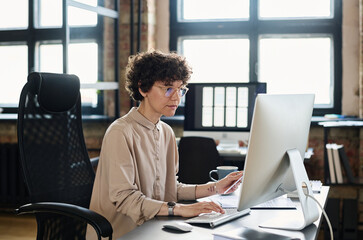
(327, 125)
(343, 203)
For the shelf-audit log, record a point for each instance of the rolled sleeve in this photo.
(186, 191)
(150, 208)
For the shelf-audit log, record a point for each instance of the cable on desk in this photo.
(321, 207)
(325, 215)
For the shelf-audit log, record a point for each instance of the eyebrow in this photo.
(170, 85)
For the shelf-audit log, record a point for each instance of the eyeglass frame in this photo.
(172, 90)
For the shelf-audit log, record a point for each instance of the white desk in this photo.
(153, 229)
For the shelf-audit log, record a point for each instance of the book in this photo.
(329, 150)
(337, 165)
(247, 233)
(344, 159)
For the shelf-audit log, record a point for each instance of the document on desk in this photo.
(231, 201)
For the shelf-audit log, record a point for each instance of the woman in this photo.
(136, 175)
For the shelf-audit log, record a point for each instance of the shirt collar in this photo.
(138, 117)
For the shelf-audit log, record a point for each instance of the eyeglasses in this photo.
(169, 91)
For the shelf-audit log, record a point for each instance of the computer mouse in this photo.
(178, 225)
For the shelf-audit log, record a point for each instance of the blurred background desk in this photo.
(199, 155)
(236, 156)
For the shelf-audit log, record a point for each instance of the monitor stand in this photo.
(295, 220)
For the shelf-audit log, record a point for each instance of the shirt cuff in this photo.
(150, 207)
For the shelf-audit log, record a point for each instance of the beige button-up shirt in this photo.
(136, 173)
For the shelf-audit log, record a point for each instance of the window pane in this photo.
(242, 110)
(81, 17)
(88, 2)
(13, 14)
(295, 9)
(83, 61)
(207, 116)
(207, 97)
(298, 65)
(218, 117)
(215, 9)
(231, 99)
(50, 13)
(13, 73)
(217, 60)
(51, 58)
(242, 120)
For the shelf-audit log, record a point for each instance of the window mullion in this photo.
(30, 38)
(66, 35)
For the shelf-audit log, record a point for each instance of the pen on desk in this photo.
(239, 179)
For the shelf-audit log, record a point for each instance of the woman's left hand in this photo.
(228, 181)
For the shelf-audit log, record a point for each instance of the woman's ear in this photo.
(144, 94)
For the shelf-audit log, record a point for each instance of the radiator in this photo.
(12, 187)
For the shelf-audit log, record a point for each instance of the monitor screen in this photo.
(280, 123)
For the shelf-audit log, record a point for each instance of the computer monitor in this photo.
(274, 160)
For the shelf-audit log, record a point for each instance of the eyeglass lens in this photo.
(181, 92)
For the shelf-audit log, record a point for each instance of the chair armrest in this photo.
(101, 225)
(94, 162)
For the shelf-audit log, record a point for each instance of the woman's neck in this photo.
(148, 114)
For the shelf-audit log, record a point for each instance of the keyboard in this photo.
(215, 219)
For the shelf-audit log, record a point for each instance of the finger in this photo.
(216, 207)
(237, 174)
(209, 207)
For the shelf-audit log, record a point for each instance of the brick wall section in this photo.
(361, 110)
(8, 132)
(109, 60)
(93, 134)
(147, 40)
(361, 59)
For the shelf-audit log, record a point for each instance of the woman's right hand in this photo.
(192, 210)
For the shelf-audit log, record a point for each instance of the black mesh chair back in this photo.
(197, 156)
(53, 154)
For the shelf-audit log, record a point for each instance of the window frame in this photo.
(254, 27)
(65, 35)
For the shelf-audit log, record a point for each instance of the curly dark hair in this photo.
(144, 69)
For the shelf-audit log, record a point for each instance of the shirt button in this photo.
(157, 178)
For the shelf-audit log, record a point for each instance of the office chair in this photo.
(197, 156)
(54, 159)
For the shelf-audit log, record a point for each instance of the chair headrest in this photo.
(55, 92)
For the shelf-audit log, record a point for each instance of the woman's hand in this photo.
(192, 210)
(211, 188)
(228, 181)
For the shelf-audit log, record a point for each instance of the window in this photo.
(225, 106)
(221, 106)
(294, 46)
(59, 36)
